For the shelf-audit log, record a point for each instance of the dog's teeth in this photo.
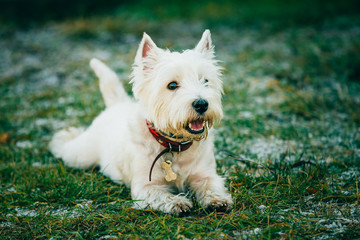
(189, 125)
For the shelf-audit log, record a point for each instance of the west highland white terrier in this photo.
(177, 101)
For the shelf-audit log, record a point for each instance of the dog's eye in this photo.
(206, 82)
(173, 86)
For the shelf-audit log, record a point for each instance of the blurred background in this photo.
(302, 48)
(285, 12)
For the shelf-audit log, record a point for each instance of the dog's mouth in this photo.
(196, 126)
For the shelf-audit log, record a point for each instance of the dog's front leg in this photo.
(210, 190)
(156, 195)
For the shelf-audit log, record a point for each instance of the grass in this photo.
(289, 144)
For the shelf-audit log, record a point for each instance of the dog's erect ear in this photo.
(147, 45)
(147, 52)
(205, 46)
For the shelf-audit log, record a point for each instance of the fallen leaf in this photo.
(312, 190)
(4, 137)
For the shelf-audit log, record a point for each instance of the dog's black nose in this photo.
(200, 105)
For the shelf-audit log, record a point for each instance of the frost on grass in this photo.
(109, 237)
(84, 204)
(56, 124)
(12, 190)
(269, 149)
(24, 144)
(248, 234)
(41, 165)
(25, 212)
(262, 208)
(80, 209)
(335, 218)
(5, 224)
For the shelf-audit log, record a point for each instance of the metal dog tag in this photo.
(170, 175)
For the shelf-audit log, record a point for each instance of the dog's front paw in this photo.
(217, 202)
(178, 205)
(221, 205)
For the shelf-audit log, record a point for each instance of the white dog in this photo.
(178, 98)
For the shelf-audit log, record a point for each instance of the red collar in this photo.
(170, 146)
(167, 143)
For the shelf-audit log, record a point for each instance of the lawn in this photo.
(289, 143)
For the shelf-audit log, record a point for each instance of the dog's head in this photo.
(180, 92)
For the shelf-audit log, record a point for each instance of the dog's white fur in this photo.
(119, 141)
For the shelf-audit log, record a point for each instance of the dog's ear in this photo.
(147, 52)
(147, 44)
(205, 44)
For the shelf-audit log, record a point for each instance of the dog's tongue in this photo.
(197, 125)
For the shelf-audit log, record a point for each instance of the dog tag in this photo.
(170, 175)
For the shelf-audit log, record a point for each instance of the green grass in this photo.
(289, 144)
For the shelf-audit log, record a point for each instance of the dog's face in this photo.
(181, 92)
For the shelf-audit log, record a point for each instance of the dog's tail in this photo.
(75, 146)
(110, 86)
